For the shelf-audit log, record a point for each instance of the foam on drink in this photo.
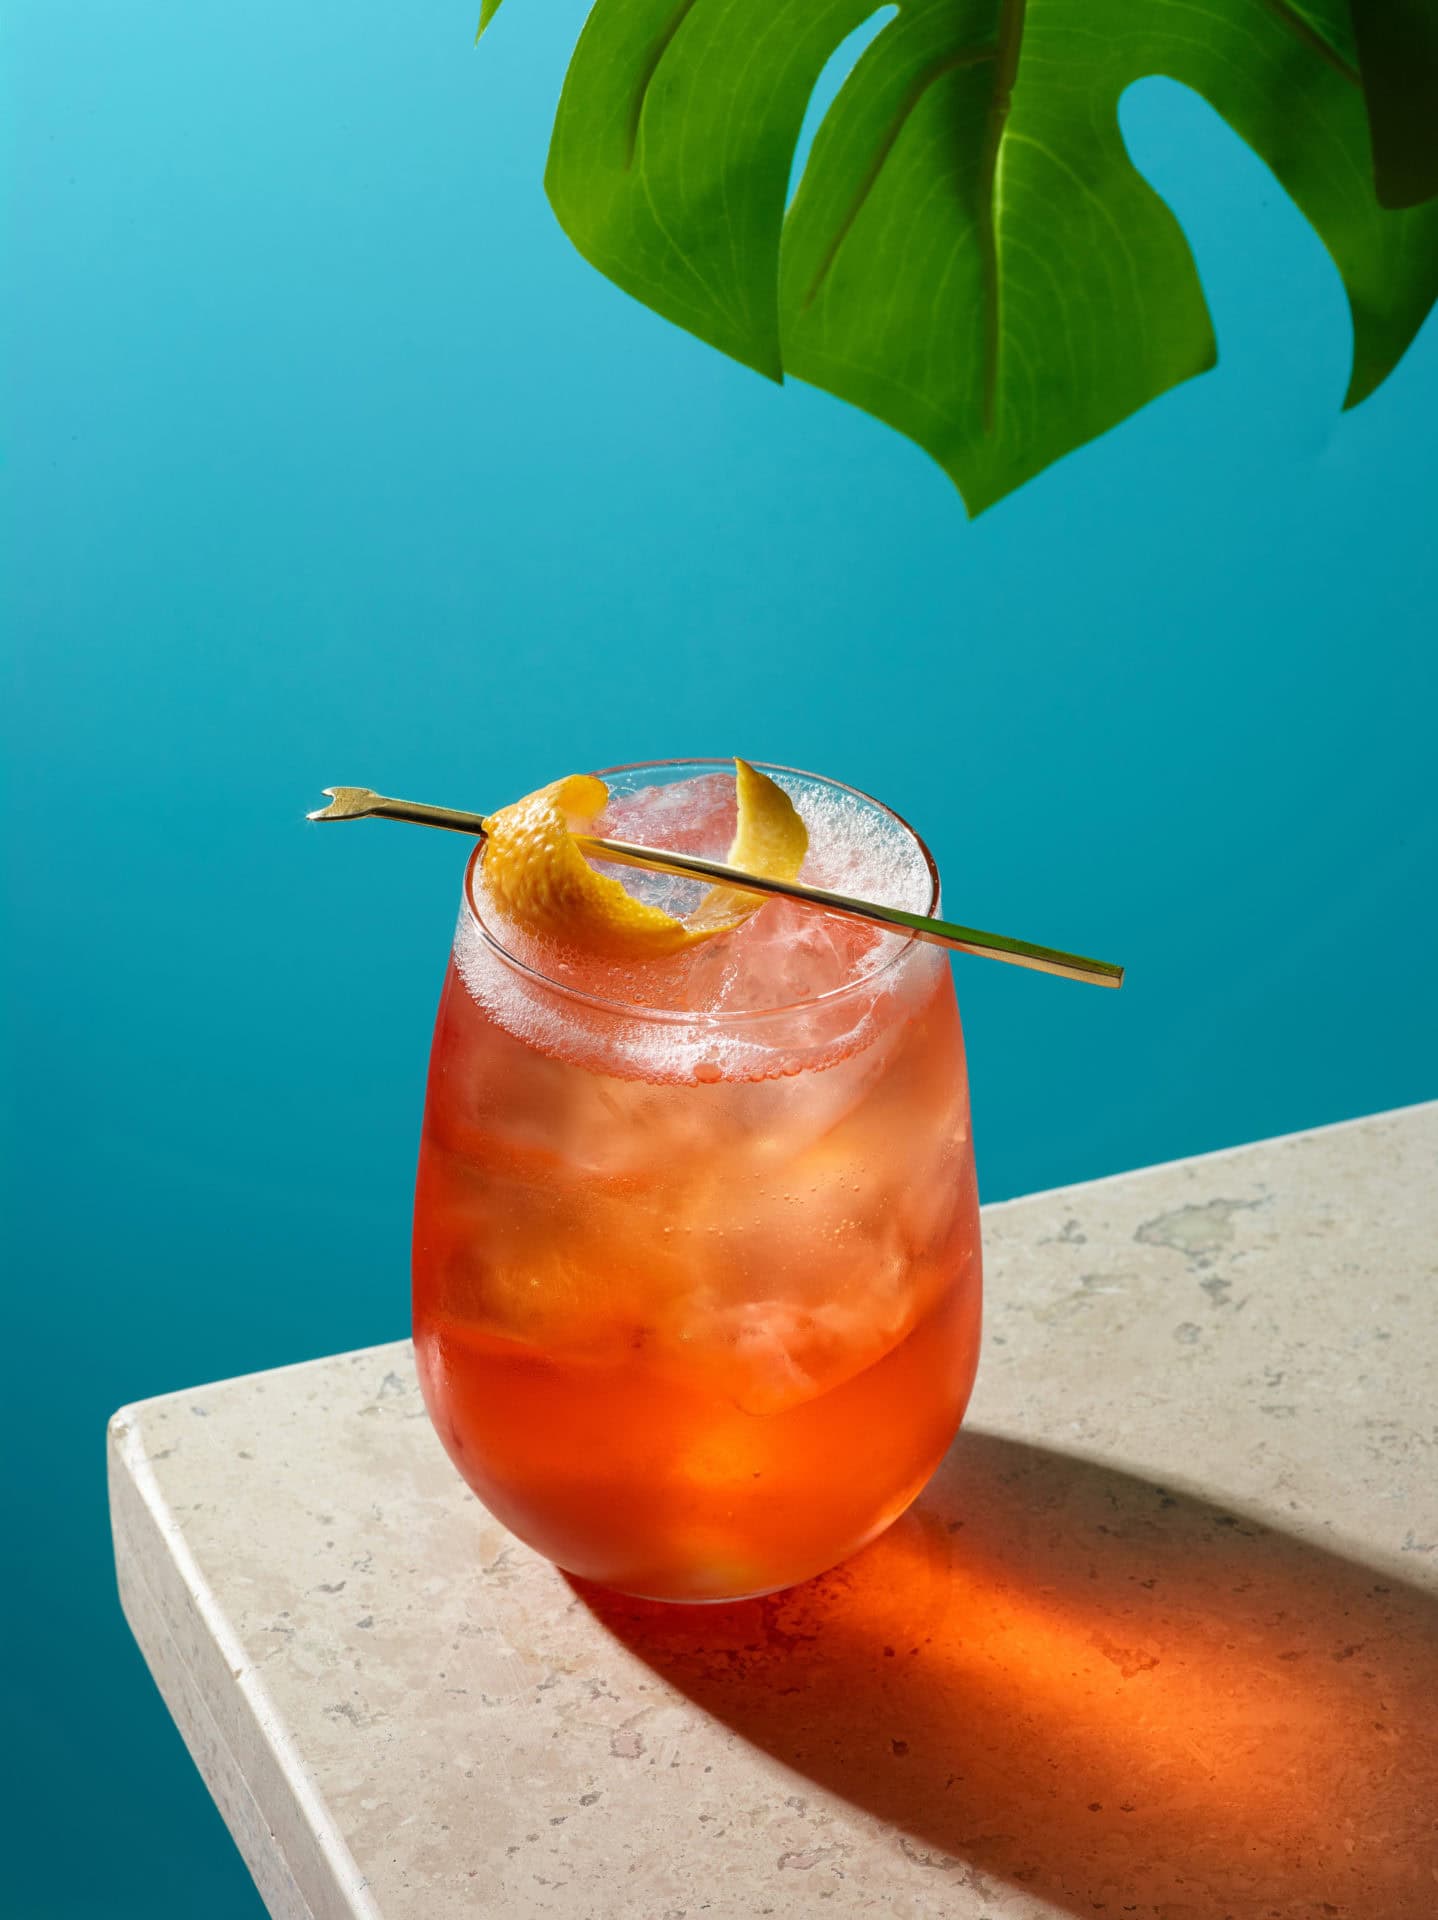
(789, 990)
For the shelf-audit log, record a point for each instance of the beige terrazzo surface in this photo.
(1161, 1639)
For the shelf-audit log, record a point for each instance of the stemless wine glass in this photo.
(697, 1294)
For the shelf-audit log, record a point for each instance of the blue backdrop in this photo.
(330, 461)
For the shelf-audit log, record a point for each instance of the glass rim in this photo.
(679, 1016)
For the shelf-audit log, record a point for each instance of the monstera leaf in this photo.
(970, 254)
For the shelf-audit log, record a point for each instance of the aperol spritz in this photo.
(696, 1241)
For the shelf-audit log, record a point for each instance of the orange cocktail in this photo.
(696, 1246)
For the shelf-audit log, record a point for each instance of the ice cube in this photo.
(780, 1353)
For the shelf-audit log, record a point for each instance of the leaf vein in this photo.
(947, 63)
(647, 72)
(1289, 17)
(1010, 44)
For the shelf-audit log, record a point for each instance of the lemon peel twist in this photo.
(538, 878)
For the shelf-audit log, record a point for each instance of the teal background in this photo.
(327, 460)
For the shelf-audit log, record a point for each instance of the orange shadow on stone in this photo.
(1124, 1700)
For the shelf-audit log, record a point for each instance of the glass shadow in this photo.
(1119, 1697)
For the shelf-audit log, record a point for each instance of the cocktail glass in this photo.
(696, 1244)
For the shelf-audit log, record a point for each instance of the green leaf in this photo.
(1398, 56)
(971, 255)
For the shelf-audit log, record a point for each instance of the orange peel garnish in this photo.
(537, 876)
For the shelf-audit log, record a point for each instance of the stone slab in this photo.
(1160, 1640)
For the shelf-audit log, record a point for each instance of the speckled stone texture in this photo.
(1160, 1639)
